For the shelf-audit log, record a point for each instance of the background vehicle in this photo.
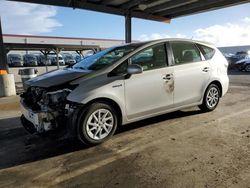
(30, 60)
(234, 61)
(15, 60)
(54, 60)
(77, 57)
(241, 54)
(228, 55)
(243, 64)
(42, 60)
(68, 59)
(247, 65)
(88, 53)
(124, 84)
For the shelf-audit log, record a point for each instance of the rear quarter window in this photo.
(185, 52)
(206, 51)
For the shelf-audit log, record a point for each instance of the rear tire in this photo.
(97, 123)
(211, 98)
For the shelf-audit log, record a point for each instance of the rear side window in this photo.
(206, 51)
(185, 52)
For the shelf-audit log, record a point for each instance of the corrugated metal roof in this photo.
(158, 10)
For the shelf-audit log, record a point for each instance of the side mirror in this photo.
(134, 69)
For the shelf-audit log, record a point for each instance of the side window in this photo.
(151, 58)
(185, 52)
(206, 51)
(120, 70)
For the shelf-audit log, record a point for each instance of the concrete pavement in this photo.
(181, 149)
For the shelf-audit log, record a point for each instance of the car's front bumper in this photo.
(38, 121)
(35, 121)
(239, 66)
(16, 64)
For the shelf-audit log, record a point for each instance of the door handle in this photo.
(205, 69)
(168, 77)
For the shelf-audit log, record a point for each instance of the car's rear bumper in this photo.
(225, 85)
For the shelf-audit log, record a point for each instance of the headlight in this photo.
(56, 97)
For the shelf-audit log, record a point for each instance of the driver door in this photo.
(150, 92)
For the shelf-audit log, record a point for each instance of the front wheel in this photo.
(97, 124)
(211, 98)
(247, 68)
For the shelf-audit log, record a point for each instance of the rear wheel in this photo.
(211, 98)
(97, 124)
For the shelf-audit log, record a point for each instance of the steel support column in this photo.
(57, 51)
(3, 57)
(57, 58)
(45, 53)
(79, 52)
(128, 28)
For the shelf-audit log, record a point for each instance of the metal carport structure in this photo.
(157, 10)
(46, 49)
(51, 47)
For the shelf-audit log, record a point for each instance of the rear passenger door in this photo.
(191, 73)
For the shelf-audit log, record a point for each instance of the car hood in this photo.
(243, 61)
(56, 78)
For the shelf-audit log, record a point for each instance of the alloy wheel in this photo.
(212, 97)
(100, 124)
(247, 68)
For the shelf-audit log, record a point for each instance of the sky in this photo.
(224, 27)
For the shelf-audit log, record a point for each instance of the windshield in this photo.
(104, 58)
(15, 58)
(31, 57)
(68, 57)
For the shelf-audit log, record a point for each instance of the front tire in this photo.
(247, 68)
(97, 123)
(211, 98)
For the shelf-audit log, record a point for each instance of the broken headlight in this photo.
(56, 97)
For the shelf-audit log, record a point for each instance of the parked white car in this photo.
(124, 84)
(68, 59)
(54, 59)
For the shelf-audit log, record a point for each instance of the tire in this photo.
(211, 98)
(241, 69)
(247, 68)
(93, 130)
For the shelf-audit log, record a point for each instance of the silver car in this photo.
(30, 60)
(124, 84)
(15, 60)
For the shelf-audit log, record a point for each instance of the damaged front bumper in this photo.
(40, 121)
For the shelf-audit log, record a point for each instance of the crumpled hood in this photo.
(56, 78)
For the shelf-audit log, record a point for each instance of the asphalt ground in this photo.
(186, 148)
